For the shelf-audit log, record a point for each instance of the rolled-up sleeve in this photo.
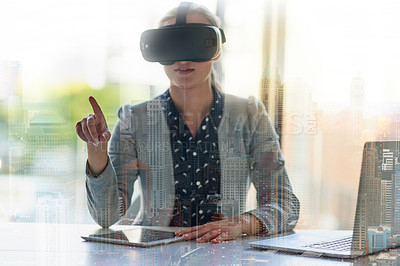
(102, 196)
(109, 194)
(278, 207)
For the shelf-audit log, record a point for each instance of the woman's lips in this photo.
(184, 70)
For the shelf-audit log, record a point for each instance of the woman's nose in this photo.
(183, 62)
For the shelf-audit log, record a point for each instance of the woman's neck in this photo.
(192, 102)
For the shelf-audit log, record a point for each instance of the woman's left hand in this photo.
(214, 232)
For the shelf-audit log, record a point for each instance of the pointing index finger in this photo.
(95, 106)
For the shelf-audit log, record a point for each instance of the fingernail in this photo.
(96, 140)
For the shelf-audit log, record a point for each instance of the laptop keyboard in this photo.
(339, 244)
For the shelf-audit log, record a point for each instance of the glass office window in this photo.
(327, 72)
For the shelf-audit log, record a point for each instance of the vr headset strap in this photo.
(181, 13)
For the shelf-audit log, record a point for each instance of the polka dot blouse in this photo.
(196, 163)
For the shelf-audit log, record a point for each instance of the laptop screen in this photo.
(377, 222)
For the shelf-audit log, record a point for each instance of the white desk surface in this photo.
(60, 244)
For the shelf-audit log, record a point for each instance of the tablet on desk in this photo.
(138, 237)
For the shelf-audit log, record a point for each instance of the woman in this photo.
(193, 150)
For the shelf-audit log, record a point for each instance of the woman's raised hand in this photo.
(93, 128)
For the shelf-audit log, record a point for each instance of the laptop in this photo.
(377, 218)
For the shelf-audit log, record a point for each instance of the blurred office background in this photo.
(327, 72)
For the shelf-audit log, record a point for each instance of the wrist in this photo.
(250, 224)
(97, 158)
(245, 222)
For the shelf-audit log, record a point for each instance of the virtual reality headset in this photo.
(181, 41)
